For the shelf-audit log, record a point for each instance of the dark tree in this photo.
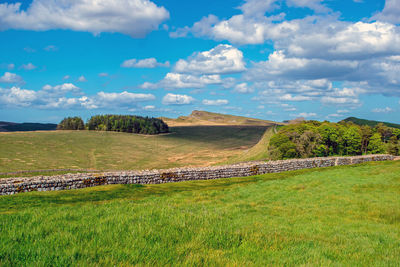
(71, 123)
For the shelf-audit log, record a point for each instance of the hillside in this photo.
(370, 122)
(209, 118)
(26, 126)
(339, 216)
(192, 146)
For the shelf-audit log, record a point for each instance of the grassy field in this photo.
(258, 151)
(336, 216)
(197, 146)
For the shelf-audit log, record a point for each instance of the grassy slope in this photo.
(110, 151)
(210, 118)
(370, 122)
(257, 152)
(342, 216)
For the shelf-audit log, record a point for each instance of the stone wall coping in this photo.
(81, 180)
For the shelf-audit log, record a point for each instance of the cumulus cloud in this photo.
(304, 115)
(217, 102)
(28, 66)
(315, 5)
(132, 17)
(57, 97)
(279, 65)
(257, 8)
(382, 110)
(222, 59)
(61, 89)
(143, 63)
(103, 74)
(243, 88)
(9, 77)
(343, 40)
(17, 97)
(82, 79)
(149, 107)
(172, 99)
(179, 80)
(390, 13)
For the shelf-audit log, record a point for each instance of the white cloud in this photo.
(178, 81)
(103, 74)
(217, 102)
(149, 107)
(382, 110)
(342, 40)
(390, 13)
(51, 48)
(280, 65)
(289, 97)
(257, 8)
(311, 4)
(222, 59)
(17, 97)
(143, 63)
(82, 79)
(9, 77)
(55, 97)
(66, 77)
(172, 99)
(243, 88)
(132, 17)
(61, 89)
(11, 66)
(304, 114)
(28, 66)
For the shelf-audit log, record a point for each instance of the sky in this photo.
(269, 59)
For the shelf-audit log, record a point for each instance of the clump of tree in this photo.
(320, 139)
(71, 123)
(127, 123)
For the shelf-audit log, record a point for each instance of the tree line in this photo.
(117, 123)
(320, 139)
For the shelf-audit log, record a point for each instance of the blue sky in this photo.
(270, 59)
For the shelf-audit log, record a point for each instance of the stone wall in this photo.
(10, 186)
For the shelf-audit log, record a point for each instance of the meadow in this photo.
(348, 215)
(194, 146)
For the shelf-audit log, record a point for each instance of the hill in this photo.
(370, 122)
(209, 118)
(190, 145)
(338, 216)
(26, 126)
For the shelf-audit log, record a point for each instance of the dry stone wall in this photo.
(11, 186)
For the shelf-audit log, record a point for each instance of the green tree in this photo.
(376, 145)
(351, 141)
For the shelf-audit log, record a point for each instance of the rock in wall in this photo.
(11, 186)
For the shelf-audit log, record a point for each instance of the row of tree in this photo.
(319, 139)
(117, 123)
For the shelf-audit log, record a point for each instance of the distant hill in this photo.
(26, 126)
(370, 122)
(209, 118)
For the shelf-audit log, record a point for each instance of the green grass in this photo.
(336, 216)
(257, 152)
(198, 146)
